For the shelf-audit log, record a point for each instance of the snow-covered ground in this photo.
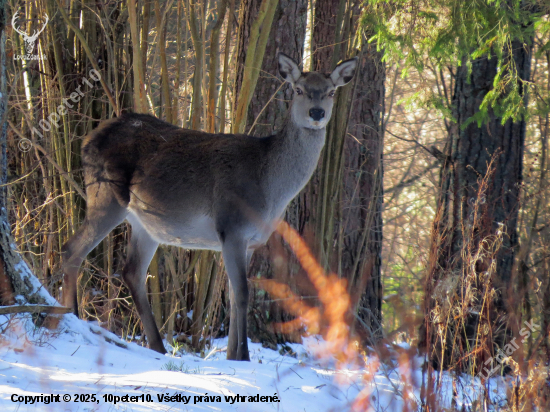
(89, 369)
(79, 361)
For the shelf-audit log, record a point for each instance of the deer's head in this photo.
(314, 91)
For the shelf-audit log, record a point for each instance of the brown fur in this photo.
(199, 191)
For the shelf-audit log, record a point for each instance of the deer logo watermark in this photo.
(29, 40)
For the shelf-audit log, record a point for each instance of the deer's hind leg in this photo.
(141, 250)
(103, 214)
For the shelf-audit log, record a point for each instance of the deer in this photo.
(197, 190)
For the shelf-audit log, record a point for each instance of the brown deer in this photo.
(199, 191)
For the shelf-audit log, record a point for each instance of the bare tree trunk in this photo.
(478, 204)
(214, 64)
(356, 223)
(348, 191)
(140, 100)
(266, 114)
(193, 21)
(327, 22)
(166, 101)
(256, 34)
(6, 286)
(360, 226)
(3, 110)
(15, 277)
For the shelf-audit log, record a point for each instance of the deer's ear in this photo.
(344, 72)
(288, 68)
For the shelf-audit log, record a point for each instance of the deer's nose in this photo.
(316, 114)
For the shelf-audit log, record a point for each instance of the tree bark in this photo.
(249, 72)
(361, 215)
(264, 117)
(356, 209)
(348, 196)
(17, 283)
(140, 100)
(6, 287)
(478, 205)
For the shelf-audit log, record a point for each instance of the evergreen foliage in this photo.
(449, 33)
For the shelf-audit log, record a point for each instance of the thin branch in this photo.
(67, 176)
(90, 55)
(411, 180)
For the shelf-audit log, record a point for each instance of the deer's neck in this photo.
(293, 160)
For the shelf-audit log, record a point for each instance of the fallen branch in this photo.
(61, 310)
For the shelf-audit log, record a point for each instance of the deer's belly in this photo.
(190, 232)
(198, 230)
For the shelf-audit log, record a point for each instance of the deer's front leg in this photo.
(234, 255)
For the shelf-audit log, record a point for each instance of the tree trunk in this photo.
(140, 100)
(355, 212)
(348, 196)
(287, 35)
(474, 234)
(17, 283)
(361, 215)
(6, 287)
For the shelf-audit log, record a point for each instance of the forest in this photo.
(421, 242)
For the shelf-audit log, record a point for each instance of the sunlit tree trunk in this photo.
(342, 205)
(166, 101)
(267, 112)
(254, 33)
(6, 288)
(14, 272)
(348, 195)
(140, 102)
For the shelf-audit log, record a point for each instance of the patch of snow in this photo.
(82, 358)
(27, 275)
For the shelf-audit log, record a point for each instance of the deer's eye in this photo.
(331, 93)
(299, 91)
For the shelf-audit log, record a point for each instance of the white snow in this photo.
(27, 276)
(76, 359)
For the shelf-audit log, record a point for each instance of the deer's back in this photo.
(164, 165)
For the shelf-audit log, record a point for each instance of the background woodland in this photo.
(430, 198)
